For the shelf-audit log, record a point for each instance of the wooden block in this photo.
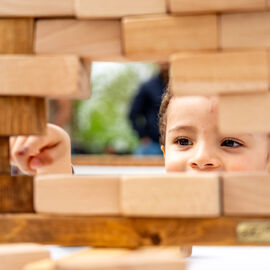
(40, 265)
(39, 76)
(171, 195)
(4, 156)
(268, 4)
(36, 8)
(246, 194)
(80, 195)
(231, 118)
(117, 8)
(16, 35)
(245, 30)
(22, 115)
(219, 73)
(96, 39)
(156, 36)
(16, 194)
(197, 6)
(16, 256)
(141, 259)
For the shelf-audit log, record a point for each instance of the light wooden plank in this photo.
(117, 8)
(16, 35)
(96, 39)
(40, 265)
(4, 156)
(23, 115)
(36, 8)
(160, 36)
(219, 73)
(245, 30)
(16, 256)
(110, 259)
(80, 195)
(255, 118)
(121, 232)
(171, 195)
(53, 76)
(246, 194)
(197, 6)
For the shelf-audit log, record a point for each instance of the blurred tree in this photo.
(101, 122)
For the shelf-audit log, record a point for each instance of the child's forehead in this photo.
(193, 104)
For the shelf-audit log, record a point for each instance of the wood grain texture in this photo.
(116, 160)
(80, 195)
(22, 115)
(16, 194)
(170, 195)
(245, 30)
(36, 8)
(197, 6)
(117, 8)
(95, 39)
(148, 36)
(16, 35)
(16, 256)
(231, 118)
(246, 194)
(39, 76)
(220, 73)
(4, 156)
(119, 232)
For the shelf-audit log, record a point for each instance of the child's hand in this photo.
(44, 154)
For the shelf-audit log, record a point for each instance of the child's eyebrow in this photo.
(182, 127)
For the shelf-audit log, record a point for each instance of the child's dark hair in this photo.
(166, 98)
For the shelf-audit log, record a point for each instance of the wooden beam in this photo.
(220, 73)
(116, 160)
(16, 194)
(117, 8)
(39, 76)
(95, 39)
(245, 30)
(122, 232)
(171, 195)
(207, 6)
(16, 35)
(36, 8)
(4, 156)
(148, 36)
(22, 115)
(255, 119)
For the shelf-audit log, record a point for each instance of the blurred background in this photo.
(114, 119)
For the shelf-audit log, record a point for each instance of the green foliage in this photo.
(102, 121)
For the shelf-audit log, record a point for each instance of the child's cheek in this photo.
(174, 162)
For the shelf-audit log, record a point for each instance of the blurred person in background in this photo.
(144, 112)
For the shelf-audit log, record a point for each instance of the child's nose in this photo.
(203, 160)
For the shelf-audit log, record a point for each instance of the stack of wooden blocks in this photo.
(214, 47)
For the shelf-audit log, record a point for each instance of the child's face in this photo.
(193, 142)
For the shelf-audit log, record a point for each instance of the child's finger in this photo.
(46, 157)
(24, 149)
(15, 148)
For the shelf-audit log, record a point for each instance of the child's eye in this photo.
(184, 141)
(231, 143)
